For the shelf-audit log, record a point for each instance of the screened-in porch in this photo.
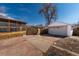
(8, 25)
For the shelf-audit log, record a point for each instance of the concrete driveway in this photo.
(42, 43)
(28, 45)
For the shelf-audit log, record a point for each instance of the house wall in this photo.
(59, 30)
(69, 30)
(7, 25)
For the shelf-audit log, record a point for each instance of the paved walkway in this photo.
(17, 47)
(42, 43)
(29, 45)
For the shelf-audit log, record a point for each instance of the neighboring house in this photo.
(60, 28)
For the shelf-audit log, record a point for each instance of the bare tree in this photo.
(49, 12)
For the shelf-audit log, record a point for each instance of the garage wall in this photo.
(69, 30)
(60, 30)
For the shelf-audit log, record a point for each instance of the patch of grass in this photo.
(70, 44)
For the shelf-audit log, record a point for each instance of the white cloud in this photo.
(4, 15)
(10, 17)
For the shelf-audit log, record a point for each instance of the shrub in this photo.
(76, 31)
(31, 31)
(44, 31)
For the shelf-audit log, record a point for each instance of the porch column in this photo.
(17, 26)
(20, 27)
(9, 27)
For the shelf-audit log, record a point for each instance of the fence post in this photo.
(38, 33)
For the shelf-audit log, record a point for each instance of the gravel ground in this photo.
(70, 44)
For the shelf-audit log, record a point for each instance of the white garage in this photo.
(60, 28)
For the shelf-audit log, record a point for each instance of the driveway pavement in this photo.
(28, 45)
(42, 43)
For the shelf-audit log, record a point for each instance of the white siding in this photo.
(61, 30)
(69, 30)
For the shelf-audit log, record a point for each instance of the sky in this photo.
(29, 12)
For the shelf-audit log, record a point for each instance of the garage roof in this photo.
(57, 24)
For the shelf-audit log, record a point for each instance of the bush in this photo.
(31, 31)
(76, 31)
(44, 31)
